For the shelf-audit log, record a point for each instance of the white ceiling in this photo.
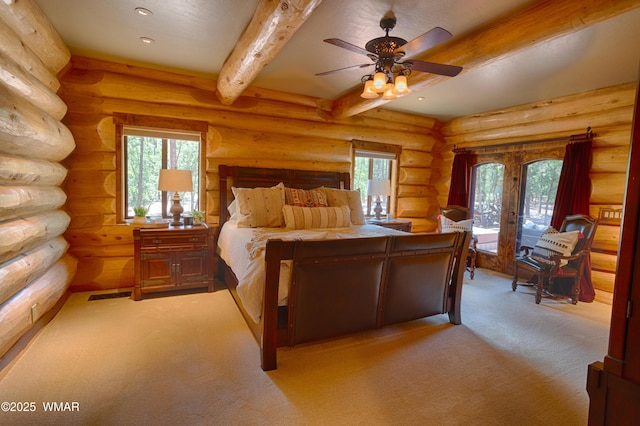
(196, 37)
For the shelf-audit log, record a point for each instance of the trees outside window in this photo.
(144, 156)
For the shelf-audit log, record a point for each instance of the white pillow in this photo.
(296, 217)
(349, 198)
(448, 225)
(232, 209)
(258, 207)
(555, 243)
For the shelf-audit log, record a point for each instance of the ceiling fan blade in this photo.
(348, 46)
(433, 68)
(424, 42)
(353, 67)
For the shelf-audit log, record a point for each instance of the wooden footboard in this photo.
(344, 286)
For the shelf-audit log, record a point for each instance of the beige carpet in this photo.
(191, 360)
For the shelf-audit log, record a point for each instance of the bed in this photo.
(314, 283)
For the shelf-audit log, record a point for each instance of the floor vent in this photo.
(109, 295)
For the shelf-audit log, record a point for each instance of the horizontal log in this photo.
(103, 273)
(411, 207)
(612, 136)
(22, 235)
(419, 225)
(112, 86)
(25, 85)
(118, 250)
(604, 262)
(412, 158)
(29, 132)
(591, 102)
(79, 206)
(372, 117)
(97, 137)
(414, 176)
(234, 143)
(91, 161)
(21, 54)
(22, 171)
(610, 159)
(21, 270)
(20, 201)
(212, 164)
(28, 305)
(606, 239)
(91, 184)
(104, 236)
(27, 20)
(92, 221)
(551, 128)
(603, 281)
(416, 191)
(607, 188)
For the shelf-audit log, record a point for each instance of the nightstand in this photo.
(174, 258)
(399, 224)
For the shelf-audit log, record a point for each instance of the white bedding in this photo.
(243, 250)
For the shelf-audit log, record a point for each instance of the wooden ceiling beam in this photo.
(271, 27)
(532, 25)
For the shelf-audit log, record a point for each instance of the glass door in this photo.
(512, 196)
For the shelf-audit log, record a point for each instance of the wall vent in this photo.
(109, 295)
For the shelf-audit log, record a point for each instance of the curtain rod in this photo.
(584, 137)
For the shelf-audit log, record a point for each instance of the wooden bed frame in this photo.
(345, 286)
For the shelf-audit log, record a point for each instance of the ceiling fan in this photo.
(387, 52)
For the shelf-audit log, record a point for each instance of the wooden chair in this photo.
(456, 214)
(547, 272)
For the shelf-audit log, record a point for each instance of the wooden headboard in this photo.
(253, 177)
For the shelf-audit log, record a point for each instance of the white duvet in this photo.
(243, 250)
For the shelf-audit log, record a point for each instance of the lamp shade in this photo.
(379, 188)
(175, 180)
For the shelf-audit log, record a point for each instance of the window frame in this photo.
(374, 150)
(159, 126)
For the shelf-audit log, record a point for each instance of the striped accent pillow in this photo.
(304, 198)
(259, 206)
(555, 243)
(296, 217)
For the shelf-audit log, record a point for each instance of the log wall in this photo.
(262, 129)
(35, 269)
(608, 112)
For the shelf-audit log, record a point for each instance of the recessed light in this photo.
(144, 12)
(147, 40)
(421, 98)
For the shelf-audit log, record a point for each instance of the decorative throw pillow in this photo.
(305, 198)
(448, 225)
(296, 217)
(259, 206)
(552, 243)
(349, 198)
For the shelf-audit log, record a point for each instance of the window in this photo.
(374, 162)
(143, 151)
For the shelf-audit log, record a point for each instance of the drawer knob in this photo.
(156, 241)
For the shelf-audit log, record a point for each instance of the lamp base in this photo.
(378, 209)
(176, 210)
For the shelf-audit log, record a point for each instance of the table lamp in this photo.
(175, 181)
(378, 188)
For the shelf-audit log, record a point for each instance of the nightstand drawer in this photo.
(174, 240)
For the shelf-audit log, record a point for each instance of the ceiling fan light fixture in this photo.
(401, 86)
(369, 92)
(379, 82)
(389, 92)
